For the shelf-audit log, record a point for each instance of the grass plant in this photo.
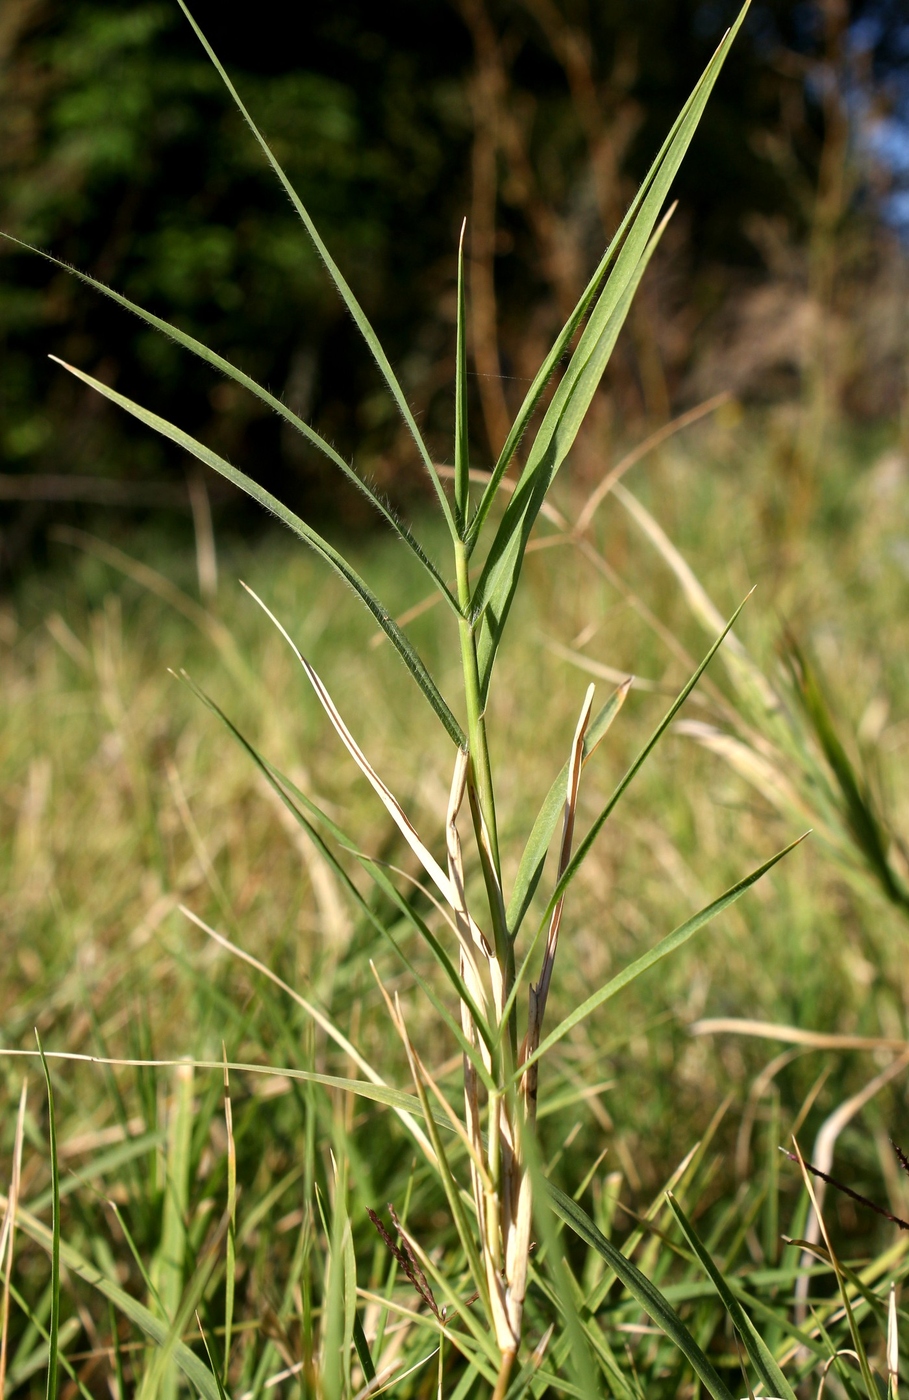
(471, 1283)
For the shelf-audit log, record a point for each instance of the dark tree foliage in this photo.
(120, 152)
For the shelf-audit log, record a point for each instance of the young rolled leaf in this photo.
(641, 1289)
(383, 617)
(462, 449)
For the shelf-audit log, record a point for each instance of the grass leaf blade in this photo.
(54, 1334)
(772, 1377)
(641, 1289)
(667, 945)
(344, 291)
(665, 165)
(225, 367)
(401, 642)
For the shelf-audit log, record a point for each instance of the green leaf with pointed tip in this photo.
(584, 848)
(641, 1289)
(532, 861)
(350, 301)
(53, 1341)
(772, 1378)
(225, 367)
(563, 1286)
(857, 805)
(668, 157)
(305, 532)
(498, 581)
(661, 950)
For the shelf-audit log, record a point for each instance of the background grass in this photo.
(124, 798)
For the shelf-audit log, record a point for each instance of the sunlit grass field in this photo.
(124, 799)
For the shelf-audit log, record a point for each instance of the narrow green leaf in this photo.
(641, 1289)
(168, 1265)
(532, 861)
(667, 945)
(564, 1288)
(562, 420)
(230, 1264)
(211, 1361)
(225, 367)
(772, 1378)
(498, 581)
(363, 1353)
(857, 803)
(672, 149)
(332, 1369)
(305, 532)
(350, 301)
(53, 1344)
(584, 848)
(21, 1371)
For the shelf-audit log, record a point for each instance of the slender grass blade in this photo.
(641, 1289)
(53, 1342)
(155, 1328)
(334, 272)
(772, 1378)
(667, 945)
(666, 163)
(304, 532)
(225, 367)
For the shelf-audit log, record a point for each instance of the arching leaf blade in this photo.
(396, 636)
(763, 1360)
(225, 367)
(155, 1328)
(641, 1289)
(347, 296)
(290, 795)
